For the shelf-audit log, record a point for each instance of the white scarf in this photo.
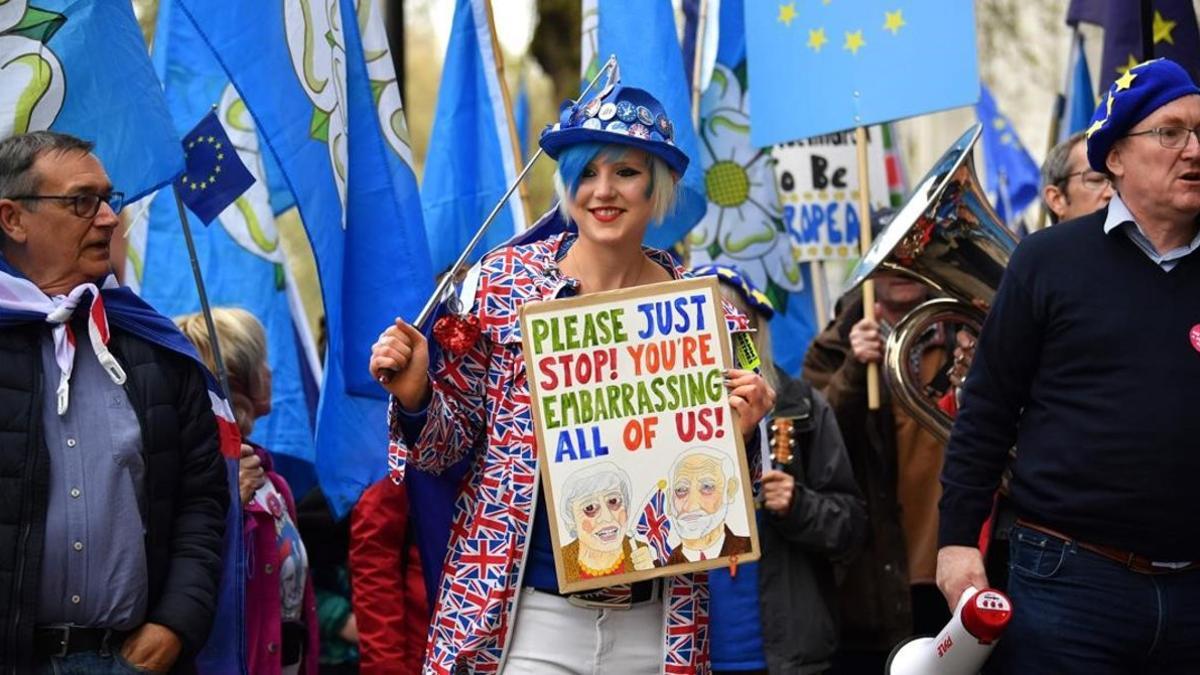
(22, 295)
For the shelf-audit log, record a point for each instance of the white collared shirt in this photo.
(1119, 216)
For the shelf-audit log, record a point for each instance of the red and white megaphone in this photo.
(963, 645)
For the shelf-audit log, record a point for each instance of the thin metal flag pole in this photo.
(222, 377)
(448, 278)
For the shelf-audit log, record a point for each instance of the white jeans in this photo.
(553, 636)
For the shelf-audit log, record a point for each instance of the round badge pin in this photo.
(664, 126)
(626, 111)
(639, 130)
(592, 107)
(1194, 336)
(617, 127)
(608, 111)
(274, 505)
(644, 115)
(592, 123)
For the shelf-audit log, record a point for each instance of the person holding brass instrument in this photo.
(887, 591)
(499, 604)
(1105, 561)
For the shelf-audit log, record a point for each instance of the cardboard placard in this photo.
(818, 189)
(642, 466)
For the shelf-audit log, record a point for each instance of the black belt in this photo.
(62, 640)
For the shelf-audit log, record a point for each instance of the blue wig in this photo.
(574, 159)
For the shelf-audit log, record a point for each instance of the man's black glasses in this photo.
(85, 205)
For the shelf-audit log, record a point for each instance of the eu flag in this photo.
(1176, 37)
(824, 67)
(1011, 174)
(215, 175)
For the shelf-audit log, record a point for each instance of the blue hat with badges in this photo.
(621, 115)
(756, 299)
(1130, 99)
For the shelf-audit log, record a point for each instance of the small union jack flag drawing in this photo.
(653, 527)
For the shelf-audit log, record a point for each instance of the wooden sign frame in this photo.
(685, 317)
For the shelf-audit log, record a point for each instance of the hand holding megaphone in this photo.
(963, 645)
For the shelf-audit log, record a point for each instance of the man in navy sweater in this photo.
(1089, 363)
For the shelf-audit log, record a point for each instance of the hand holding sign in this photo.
(750, 396)
(402, 349)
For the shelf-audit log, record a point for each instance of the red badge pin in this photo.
(1194, 335)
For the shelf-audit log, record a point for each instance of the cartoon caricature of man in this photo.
(703, 483)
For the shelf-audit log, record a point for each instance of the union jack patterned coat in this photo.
(481, 404)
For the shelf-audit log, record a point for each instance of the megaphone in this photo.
(963, 645)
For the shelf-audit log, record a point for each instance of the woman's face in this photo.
(612, 204)
(600, 520)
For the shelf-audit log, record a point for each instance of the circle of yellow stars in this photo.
(211, 179)
(852, 41)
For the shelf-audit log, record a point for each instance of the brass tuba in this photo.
(948, 237)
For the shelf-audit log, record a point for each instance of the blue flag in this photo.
(81, 68)
(242, 261)
(1010, 174)
(521, 117)
(215, 177)
(643, 37)
(323, 95)
(821, 68)
(1176, 37)
(1080, 100)
(474, 150)
(744, 226)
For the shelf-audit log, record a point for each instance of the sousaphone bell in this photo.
(948, 237)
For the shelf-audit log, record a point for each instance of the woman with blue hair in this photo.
(498, 605)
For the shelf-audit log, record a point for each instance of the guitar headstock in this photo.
(783, 440)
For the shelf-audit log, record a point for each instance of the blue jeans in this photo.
(1078, 612)
(88, 663)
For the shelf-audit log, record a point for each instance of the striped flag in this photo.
(653, 526)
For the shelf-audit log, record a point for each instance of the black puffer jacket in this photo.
(186, 490)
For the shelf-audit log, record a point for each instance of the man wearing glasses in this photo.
(1071, 188)
(112, 487)
(1089, 363)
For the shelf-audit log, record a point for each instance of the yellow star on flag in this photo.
(1128, 64)
(999, 123)
(787, 13)
(893, 21)
(854, 42)
(817, 39)
(1162, 29)
(1126, 80)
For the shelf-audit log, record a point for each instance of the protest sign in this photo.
(818, 188)
(642, 466)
